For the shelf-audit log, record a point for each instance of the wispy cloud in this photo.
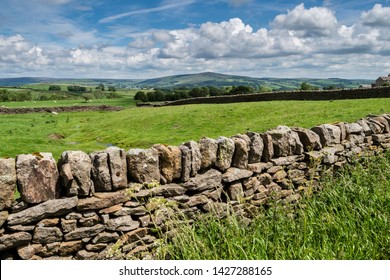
(161, 8)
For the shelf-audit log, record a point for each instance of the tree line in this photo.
(164, 94)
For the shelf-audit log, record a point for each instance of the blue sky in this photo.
(154, 38)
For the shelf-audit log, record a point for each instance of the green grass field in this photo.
(143, 127)
(348, 220)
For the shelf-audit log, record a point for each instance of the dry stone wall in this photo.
(115, 204)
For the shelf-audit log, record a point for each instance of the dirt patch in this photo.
(56, 136)
(56, 110)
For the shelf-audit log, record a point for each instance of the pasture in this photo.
(142, 127)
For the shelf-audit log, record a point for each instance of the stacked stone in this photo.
(114, 204)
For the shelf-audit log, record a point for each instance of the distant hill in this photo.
(196, 80)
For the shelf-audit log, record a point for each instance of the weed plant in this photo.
(348, 219)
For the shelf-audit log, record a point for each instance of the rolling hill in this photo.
(195, 80)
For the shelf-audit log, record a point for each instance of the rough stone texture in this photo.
(225, 153)
(343, 130)
(8, 241)
(84, 232)
(143, 165)
(378, 124)
(285, 141)
(68, 225)
(354, 128)
(256, 147)
(101, 172)
(105, 237)
(366, 129)
(169, 161)
(124, 223)
(259, 167)
(329, 134)
(268, 151)
(26, 252)
(48, 222)
(50, 208)
(118, 167)
(102, 200)
(7, 182)
(309, 139)
(75, 172)
(37, 177)
(196, 156)
(241, 151)
(168, 190)
(3, 217)
(208, 181)
(70, 247)
(235, 191)
(234, 174)
(185, 163)
(44, 235)
(208, 149)
(197, 200)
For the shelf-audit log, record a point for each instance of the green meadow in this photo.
(142, 127)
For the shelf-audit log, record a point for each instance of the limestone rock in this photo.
(84, 232)
(124, 223)
(70, 247)
(169, 190)
(329, 155)
(234, 174)
(354, 128)
(105, 237)
(7, 182)
(208, 149)
(329, 134)
(196, 156)
(185, 163)
(118, 167)
(68, 225)
(26, 252)
(343, 130)
(50, 208)
(241, 151)
(285, 142)
(37, 177)
(378, 124)
(101, 172)
(102, 200)
(268, 151)
(235, 191)
(197, 200)
(44, 235)
(75, 173)
(169, 161)
(208, 181)
(259, 167)
(309, 139)
(3, 217)
(48, 222)
(143, 165)
(366, 129)
(256, 147)
(225, 153)
(8, 241)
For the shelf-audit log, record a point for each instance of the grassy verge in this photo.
(348, 219)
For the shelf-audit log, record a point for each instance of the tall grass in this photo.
(348, 219)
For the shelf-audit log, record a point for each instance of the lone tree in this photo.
(54, 88)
